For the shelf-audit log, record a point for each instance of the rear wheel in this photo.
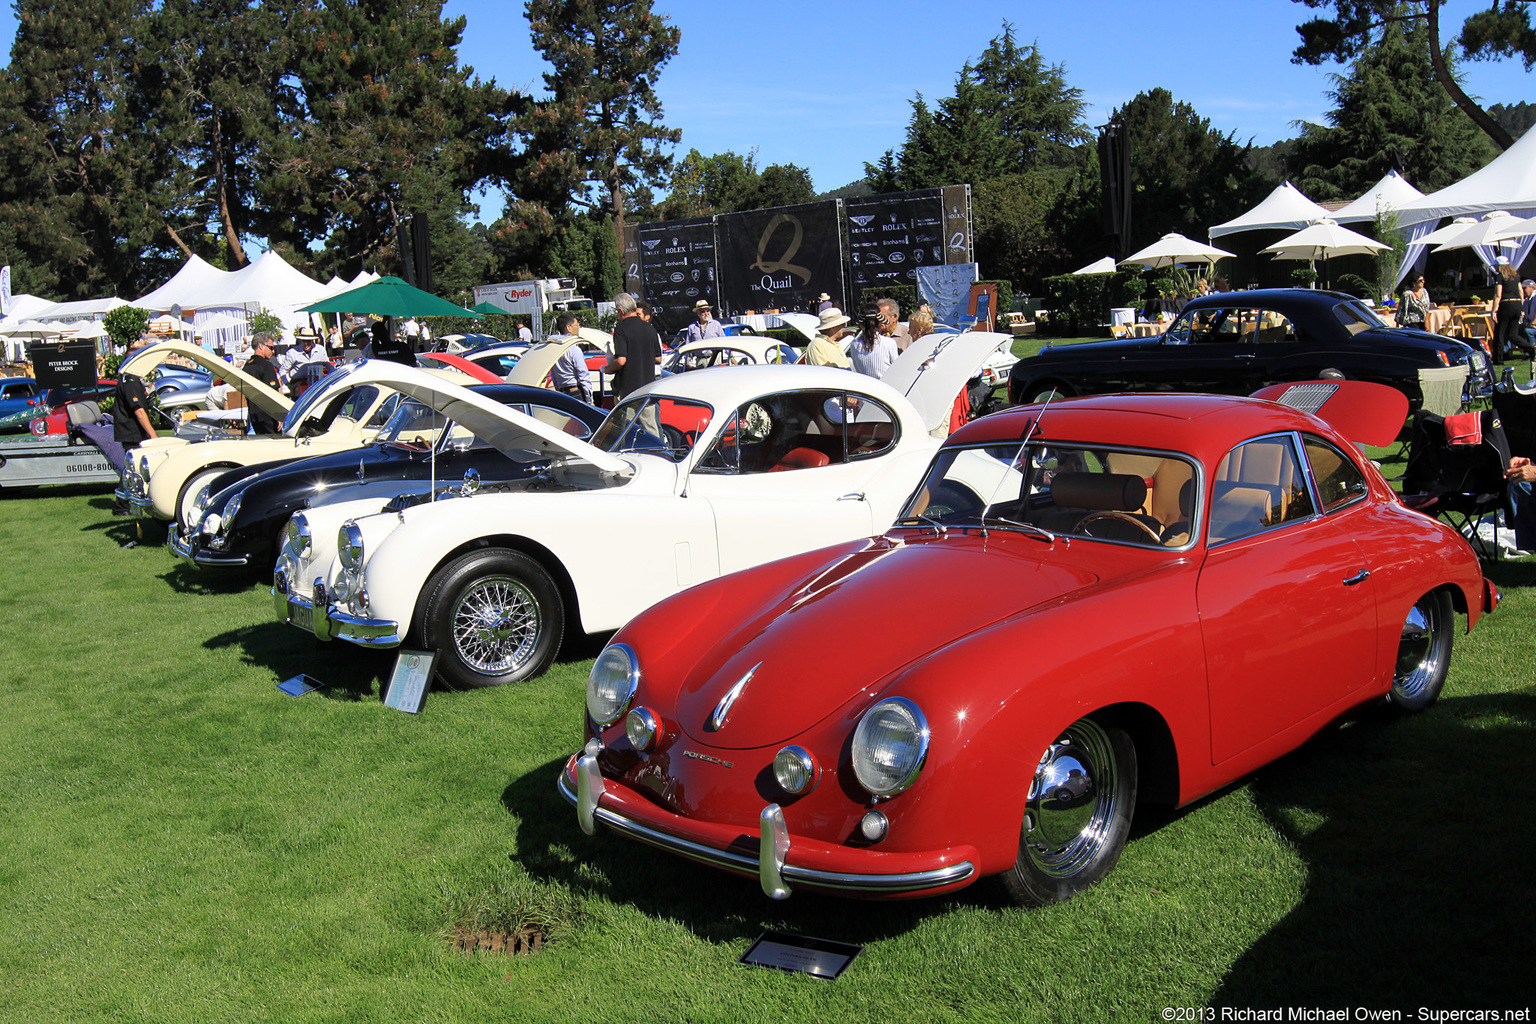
(1423, 653)
(1046, 391)
(1077, 814)
(496, 617)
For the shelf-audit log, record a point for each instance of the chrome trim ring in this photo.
(1072, 801)
(496, 624)
(1421, 652)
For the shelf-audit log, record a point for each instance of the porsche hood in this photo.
(826, 641)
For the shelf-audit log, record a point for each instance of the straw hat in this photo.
(702, 305)
(831, 319)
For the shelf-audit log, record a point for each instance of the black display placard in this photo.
(780, 258)
(63, 364)
(677, 266)
(891, 235)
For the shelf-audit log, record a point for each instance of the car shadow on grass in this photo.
(189, 579)
(348, 673)
(1417, 835)
(714, 905)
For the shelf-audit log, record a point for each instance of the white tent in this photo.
(1390, 193)
(1102, 266)
(196, 278)
(1283, 209)
(82, 309)
(1508, 182)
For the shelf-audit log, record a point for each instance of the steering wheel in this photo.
(1122, 517)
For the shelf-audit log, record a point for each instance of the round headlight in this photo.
(349, 545)
(299, 535)
(643, 729)
(889, 746)
(210, 524)
(615, 675)
(795, 770)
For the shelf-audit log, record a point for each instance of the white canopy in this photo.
(1283, 208)
(268, 281)
(1175, 248)
(1508, 182)
(195, 278)
(1390, 193)
(83, 309)
(1103, 266)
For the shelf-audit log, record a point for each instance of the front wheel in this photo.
(186, 501)
(1423, 653)
(1077, 814)
(496, 617)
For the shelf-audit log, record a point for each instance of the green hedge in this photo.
(1082, 302)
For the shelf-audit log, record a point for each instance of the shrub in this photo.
(124, 325)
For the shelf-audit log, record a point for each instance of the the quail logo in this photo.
(783, 263)
(958, 240)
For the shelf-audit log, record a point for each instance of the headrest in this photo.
(1109, 492)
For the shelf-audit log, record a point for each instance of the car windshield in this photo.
(313, 396)
(414, 423)
(664, 426)
(1122, 495)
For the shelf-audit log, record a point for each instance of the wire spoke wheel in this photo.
(496, 615)
(496, 625)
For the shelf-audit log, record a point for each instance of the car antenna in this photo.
(1029, 433)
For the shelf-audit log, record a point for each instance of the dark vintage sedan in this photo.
(1233, 343)
(239, 522)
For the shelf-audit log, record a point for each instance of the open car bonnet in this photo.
(935, 367)
(507, 430)
(539, 358)
(140, 363)
(804, 323)
(1365, 413)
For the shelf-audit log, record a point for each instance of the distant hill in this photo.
(852, 190)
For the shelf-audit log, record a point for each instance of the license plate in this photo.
(301, 616)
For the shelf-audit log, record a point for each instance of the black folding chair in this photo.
(1458, 483)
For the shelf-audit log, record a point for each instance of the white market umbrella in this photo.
(1448, 232)
(1103, 266)
(169, 324)
(1323, 240)
(1494, 227)
(219, 322)
(94, 329)
(1175, 248)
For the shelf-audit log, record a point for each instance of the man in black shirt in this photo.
(260, 366)
(636, 348)
(130, 422)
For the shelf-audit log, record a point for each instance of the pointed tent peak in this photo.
(1392, 192)
(1283, 208)
(1100, 266)
(197, 277)
(1507, 182)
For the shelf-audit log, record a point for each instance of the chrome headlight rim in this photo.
(231, 509)
(610, 686)
(349, 546)
(643, 728)
(300, 537)
(897, 778)
(795, 770)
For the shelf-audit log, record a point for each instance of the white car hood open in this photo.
(935, 367)
(140, 363)
(805, 323)
(504, 429)
(539, 358)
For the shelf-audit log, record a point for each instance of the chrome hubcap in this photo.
(496, 625)
(1071, 801)
(1418, 652)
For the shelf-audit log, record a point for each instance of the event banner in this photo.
(677, 266)
(630, 244)
(891, 235)
(957, 225)
(63, 364)
(780, 258)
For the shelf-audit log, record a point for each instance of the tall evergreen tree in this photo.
(599, 132)
(1390, 113)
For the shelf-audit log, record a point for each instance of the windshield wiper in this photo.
(1029, 528)
(924, 519)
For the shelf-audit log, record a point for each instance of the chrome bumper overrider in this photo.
(188, 551)
(776, 876)
(326, 621)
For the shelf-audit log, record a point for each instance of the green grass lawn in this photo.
(183, 842)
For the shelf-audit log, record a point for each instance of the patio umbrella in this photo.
(94, 329)
(1175, 248)
(1448, 232)
(388, 296)
(1103, 266)
(1495, 227)
(489, 309)
(219, 322)
(1322, 240)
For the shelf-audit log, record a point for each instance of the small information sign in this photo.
(820, 958)
(408, 683)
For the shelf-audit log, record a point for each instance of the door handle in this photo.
(1359, 577)
(853, 496)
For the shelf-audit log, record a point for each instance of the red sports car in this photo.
(1085, 605)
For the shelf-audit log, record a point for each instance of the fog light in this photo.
(873, 826)
(795, 770)
(643, 729)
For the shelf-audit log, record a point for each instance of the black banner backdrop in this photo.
(677, 267)
(957, 224)
(890, 236)
(780, 258)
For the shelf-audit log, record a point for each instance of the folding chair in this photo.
(1460, 483)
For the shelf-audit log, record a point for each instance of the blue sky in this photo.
(828, 85)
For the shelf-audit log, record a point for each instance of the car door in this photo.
(1205, 350)
(1287, 609)
(787, 473)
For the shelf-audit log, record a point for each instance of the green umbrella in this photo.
(388, 296)
(488, 308)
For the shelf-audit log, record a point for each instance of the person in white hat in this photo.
(705, 325)
(824, 349)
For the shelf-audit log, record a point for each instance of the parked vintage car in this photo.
(690, 477)
(1084, 606)
(19, 401)
(239, 518)
(740, 350)
(1234, 343)
(348, 407)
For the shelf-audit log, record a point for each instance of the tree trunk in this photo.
(1479, 116)
(221, 186)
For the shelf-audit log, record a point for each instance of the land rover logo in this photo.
(705, 757)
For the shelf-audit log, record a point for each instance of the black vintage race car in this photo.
(1234, 343)
(238, 523)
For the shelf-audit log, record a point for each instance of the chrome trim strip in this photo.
(198, 558)
(772, 848)
(179, 547)
(589, 785)
(358, 630)
(912, 881)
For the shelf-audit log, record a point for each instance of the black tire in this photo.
(1077, 814)
(459, 602)
(1423, 653)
